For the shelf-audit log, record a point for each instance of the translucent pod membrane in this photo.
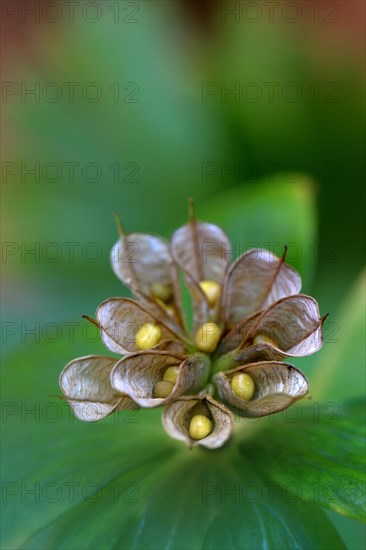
(153, 378)
(198, 420)
(276, 387)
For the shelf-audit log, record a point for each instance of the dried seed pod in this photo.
(138, 374)
(178, 415)
(277, 386)
(255, 281)
(292, 327)
(202, 251)
(168, 313)
(293, 323)
(120, 320)
(143, 261)
(85, 381)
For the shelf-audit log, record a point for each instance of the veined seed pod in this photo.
(201, 250)
(291, 327)
(86, 385)
(178, 415)
(120, 321)
(151, 270)
(257, 279)
(277, 386)
(138, 374)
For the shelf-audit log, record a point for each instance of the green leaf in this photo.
(339, 371)
(318, 454)
(126, 484)
(269, 215)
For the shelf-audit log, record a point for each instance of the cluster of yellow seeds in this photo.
(208, 335)
(164, 387)
(206, 339)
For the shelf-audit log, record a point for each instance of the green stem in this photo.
(225, 362)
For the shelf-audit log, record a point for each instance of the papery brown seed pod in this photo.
(277, 386)
(120, 320)
(137, 375)
(85, 382)
(292, 326)
(143, 262)
(255, 281)
(178, 414)
(202, 251)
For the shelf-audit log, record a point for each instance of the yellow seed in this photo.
(200, 426)
(171, 374)
(243, 386)
(264, 339)
(212, 291)
(207, 337)
(162, 389)
(161, 292)
(148, 336)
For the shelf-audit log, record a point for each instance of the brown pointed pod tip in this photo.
(120, 228)
(62, 397)
(91, 320)
(283, 257)
(322, 319)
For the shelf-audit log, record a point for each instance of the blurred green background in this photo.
(253, 108)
